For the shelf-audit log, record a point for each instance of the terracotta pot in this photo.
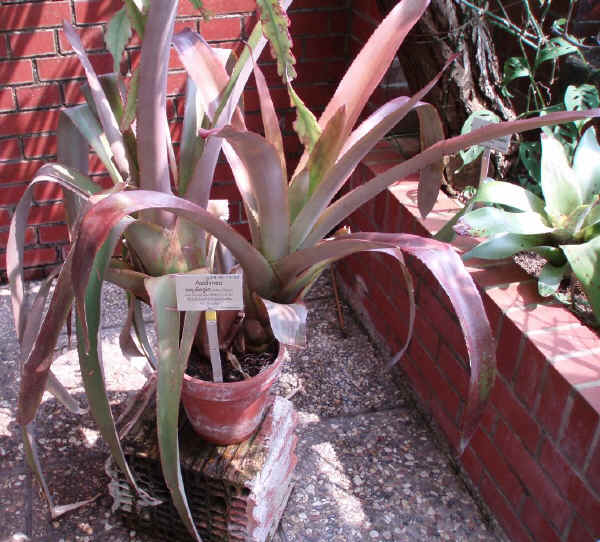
(229, 412)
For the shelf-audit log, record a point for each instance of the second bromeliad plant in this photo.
(158, 211)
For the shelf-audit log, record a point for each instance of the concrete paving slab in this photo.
(368, 468)
(377, 477)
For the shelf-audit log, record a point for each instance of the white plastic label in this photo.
(209, 292)
(500, 144)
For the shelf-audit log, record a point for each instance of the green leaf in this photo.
(471, 154)
(84, 120)
(555, 48)
(594, 216)
(130, 107)
(488, 221)
(514, 68)
(550, 278)
(530, 153)
(581, 97)
(199, 5)
(586, 165)
(584, 260)
(136, 18)
(92, 373)
(509, 195)
(305, 125)
(326, 150)
(275, 23)
(559, 185)
(117, 35)
(553, 254)
(171, 369)
(505, 245)
(191, 144)
(103, 107)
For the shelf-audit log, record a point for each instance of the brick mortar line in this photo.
(575, 354)
(586, 385)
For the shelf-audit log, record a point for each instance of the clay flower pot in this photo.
(229, 412)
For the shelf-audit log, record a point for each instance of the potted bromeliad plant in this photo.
(158, 213)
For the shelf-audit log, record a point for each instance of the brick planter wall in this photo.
(536, 457)
(39, 75)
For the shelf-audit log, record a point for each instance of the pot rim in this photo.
(260, 379)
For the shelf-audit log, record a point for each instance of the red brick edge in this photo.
(536, 457)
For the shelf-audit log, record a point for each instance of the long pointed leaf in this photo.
(142, 334)
(107, 118)
(351, 201)
(331, 250)
(117, 35)
(269, 116)
(510, 195)
(33, 460)
(204, 68)
(128, 347)
(191, 144)
(105, 215)
(242, 70)
(211, 78)
(431, 130)
(90, 356)
(82, 118)
(360, 142)
(371, 64)
(259, 168)
(447, 268)
(170, 379)
(32, 326)
(70, 180)
(151, 127)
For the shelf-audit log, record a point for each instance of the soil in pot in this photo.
(236, 367)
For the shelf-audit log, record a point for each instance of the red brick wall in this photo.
(39, 75)
(536, 457)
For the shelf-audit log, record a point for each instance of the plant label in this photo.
(209, 292)
(500, 144)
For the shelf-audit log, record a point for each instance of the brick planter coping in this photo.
(535, 459)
